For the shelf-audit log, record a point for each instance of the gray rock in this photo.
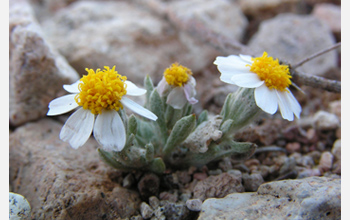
(291, 38)
(19, 207)
(63, 183)
(230, 22)
(37, 71)
(309, 198)
(330, 14)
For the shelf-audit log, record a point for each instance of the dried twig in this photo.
(316, 55)
(316, 81)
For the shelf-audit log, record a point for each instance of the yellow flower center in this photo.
(101, 90)
(177, 75)
(276, 76)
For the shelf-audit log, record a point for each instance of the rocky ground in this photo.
(296, 170)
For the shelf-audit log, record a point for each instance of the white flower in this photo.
(179, 86)
(98, 98)
(270, 80)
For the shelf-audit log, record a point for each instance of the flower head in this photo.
(269, 78)
(98, 97)
(179, 85)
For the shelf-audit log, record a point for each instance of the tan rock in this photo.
(37, 71)
(217, 186)
(62, 183)
(137, 40)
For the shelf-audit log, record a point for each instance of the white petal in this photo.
(266, 99)
(227, 72)
(293, 103)
(138, 109)
(109, 131)
(190, 93)
(177, 98)
(250, 80)
(62, 105)
(246, 58)
(230, 66)
(77, 129)
(133, 90)
(73, 88)
(284, 105)
(231, 60)
(162, 87)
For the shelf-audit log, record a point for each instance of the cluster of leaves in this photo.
(179, 139)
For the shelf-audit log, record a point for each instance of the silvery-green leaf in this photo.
(182, 129)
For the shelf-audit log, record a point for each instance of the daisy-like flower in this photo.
(98, 97)
(179, 85)
(269, 78)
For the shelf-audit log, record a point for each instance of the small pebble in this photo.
(315, 155)
(293, 147)
(136, 217)
(336, 149)
(159, 214)
(335, 108)
(200, 176)
(235, 173)
(337, 167)
(326, 162)
(194, 204)
(172, 197)
(154, 202)
(311, 135)
(264, 170)
(128, 181)
(146, 210)
(325, 121)
(215, 172)
(252, 162)
(252, 182)
(309, 172)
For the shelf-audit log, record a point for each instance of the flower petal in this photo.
(62, 105)
(177, 98)
(138, 109)
(288, 105)
(163, 87)
(293, 103)
(109, 131)
(77, 129)
(232, 60)
(133, 90)
(230, 66)
(73, 88)
(250, 80)
(190, 93)
(266, 99)
(246, 58)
